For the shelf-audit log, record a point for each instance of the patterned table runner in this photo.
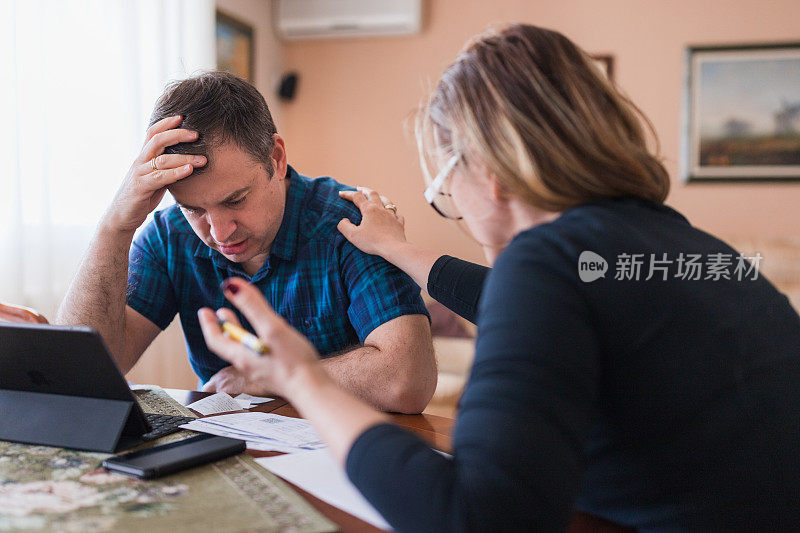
(55, 489)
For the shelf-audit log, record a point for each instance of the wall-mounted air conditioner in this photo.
(307, 19)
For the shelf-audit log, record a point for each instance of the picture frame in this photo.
(741, 119)
(235, 46)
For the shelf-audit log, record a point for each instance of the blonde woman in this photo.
(646, 393)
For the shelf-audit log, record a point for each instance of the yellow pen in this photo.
(245, 337)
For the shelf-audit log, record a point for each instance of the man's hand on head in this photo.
(151, 173)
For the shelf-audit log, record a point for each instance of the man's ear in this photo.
(279, 158)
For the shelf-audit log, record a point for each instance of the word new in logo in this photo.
(591, 266)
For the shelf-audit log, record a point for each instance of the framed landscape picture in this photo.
(234, 46)
(742, 113)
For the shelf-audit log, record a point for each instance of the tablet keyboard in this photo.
(164, 424)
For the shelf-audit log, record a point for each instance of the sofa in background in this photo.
(454, 343)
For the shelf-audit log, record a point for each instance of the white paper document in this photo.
(263, 446)
(260, 445)
(262, 431)
(217, 403)
(316, 472)
(255, 400)
(243, 403)
(137, 386)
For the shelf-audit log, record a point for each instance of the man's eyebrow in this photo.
(233, 196)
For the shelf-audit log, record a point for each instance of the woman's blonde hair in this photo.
(544, 119)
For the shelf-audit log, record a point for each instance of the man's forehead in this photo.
(229, 170)
(230, 154)
(206, 188)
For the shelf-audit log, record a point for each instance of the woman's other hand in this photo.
(380, 230)
(289, 352)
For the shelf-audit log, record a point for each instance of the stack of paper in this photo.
(218, 403)
(255, 400)
(262, 431)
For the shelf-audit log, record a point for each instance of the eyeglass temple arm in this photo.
(433, 189)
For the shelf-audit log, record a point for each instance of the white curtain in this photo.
(78, 80)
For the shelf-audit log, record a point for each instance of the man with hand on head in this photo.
(241, 210)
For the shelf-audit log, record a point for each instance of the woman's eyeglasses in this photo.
(442, 202)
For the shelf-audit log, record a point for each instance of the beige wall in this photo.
(355, 94)
(165, 362)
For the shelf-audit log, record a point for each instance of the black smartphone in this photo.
(174, 456)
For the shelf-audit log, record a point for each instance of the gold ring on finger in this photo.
(391, 207)
(153, 164)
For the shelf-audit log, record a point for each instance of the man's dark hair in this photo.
(222, 108)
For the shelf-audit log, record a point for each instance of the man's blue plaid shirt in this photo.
(323, 285)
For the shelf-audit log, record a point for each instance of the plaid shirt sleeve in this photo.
(378, 290)
(150, 291)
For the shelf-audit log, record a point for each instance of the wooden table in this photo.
(436, 430)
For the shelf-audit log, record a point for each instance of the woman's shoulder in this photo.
(603, 226)
(583, 245)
